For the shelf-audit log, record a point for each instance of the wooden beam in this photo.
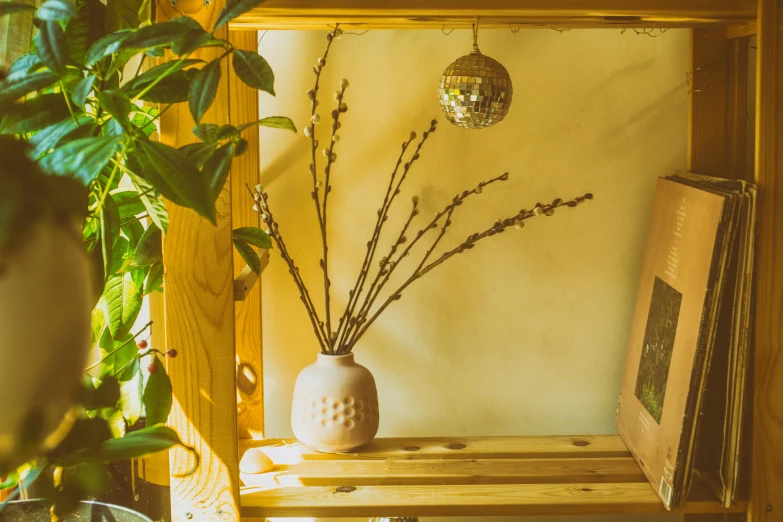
(246, 280)
(247, 312)
(741, 30)
(312, 14)
(566, 446)
(737, 110)
(767, 469)
(707, 102)
(199, 313)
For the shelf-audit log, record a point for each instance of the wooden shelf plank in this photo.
(288, 451)
(443, 476)
(448, 471)
(462, 500)
(374, 14)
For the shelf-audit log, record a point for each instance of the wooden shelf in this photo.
(565, 475)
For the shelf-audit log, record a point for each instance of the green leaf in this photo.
(227, 131)
(33, 115)
(172, 89)
(206, 132)
(51, 47)
(154, 278)
(141, 81)
(150, 248)
(216, 169)
(241, 147)
(13, 89)
(122, 302)
(23, 66)
(254, 70)
(190, 41)
(234, 8)
(7, 8)
(126, 351)
(56, 10)
(254, 236)
(156, 35)
(203, 89)
(199, 153)
(107, 45)
(48, 138)
(85, 28)
(170, 171)
(143, 442)
(122, 14)
(128, 203)
(131, 390)
(115, 420)
(153, 203)
(109, 221)
(157, 395)
(105, 395)
(275, 122)
(144, 120)
(82, 90)
(117, 104)
(83, 159)
(249, 255)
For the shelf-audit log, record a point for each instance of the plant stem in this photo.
(134, 219)
(123, 345)
(304, 295)
(321, 214)
(134, 198)
(160, 78)
(111, 178)
(68, 103)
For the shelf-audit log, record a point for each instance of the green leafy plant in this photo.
(77, 122)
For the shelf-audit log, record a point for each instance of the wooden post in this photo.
(247, 312)
(736, 109)
(707, 102)
(199, 313)
(767, 474)
(16, 34)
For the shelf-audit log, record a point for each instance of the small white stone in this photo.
(255, 461)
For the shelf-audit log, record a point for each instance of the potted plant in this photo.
(335, 404)
(82, 216)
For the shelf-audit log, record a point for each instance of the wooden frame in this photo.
(218, 335)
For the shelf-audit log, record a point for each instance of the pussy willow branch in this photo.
(353, 294)
(361, 317)
(262, 203)
(331, 157)
(499, 227)
(401, 239)
(321, 212)
(384, 212)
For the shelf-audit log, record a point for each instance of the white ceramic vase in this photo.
(335, 407)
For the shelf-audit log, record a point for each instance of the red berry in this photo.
(172, 353)
(142, 344)
(152, 368)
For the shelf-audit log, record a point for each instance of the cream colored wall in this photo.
(526, 333)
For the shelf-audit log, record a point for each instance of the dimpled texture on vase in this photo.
(475, 91)
(335, 406)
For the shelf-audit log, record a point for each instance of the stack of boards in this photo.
(685, 395)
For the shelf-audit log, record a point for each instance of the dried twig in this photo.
(469, 243)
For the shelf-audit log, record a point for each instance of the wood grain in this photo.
(16, 35)
(462, 500)
(454, 448)
(302, 14)
(767, 473)
(199, 312)
(447, 471)
(707, 102)
(247, 313)
(741, 30)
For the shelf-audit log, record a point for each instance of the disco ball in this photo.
(475, 91)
